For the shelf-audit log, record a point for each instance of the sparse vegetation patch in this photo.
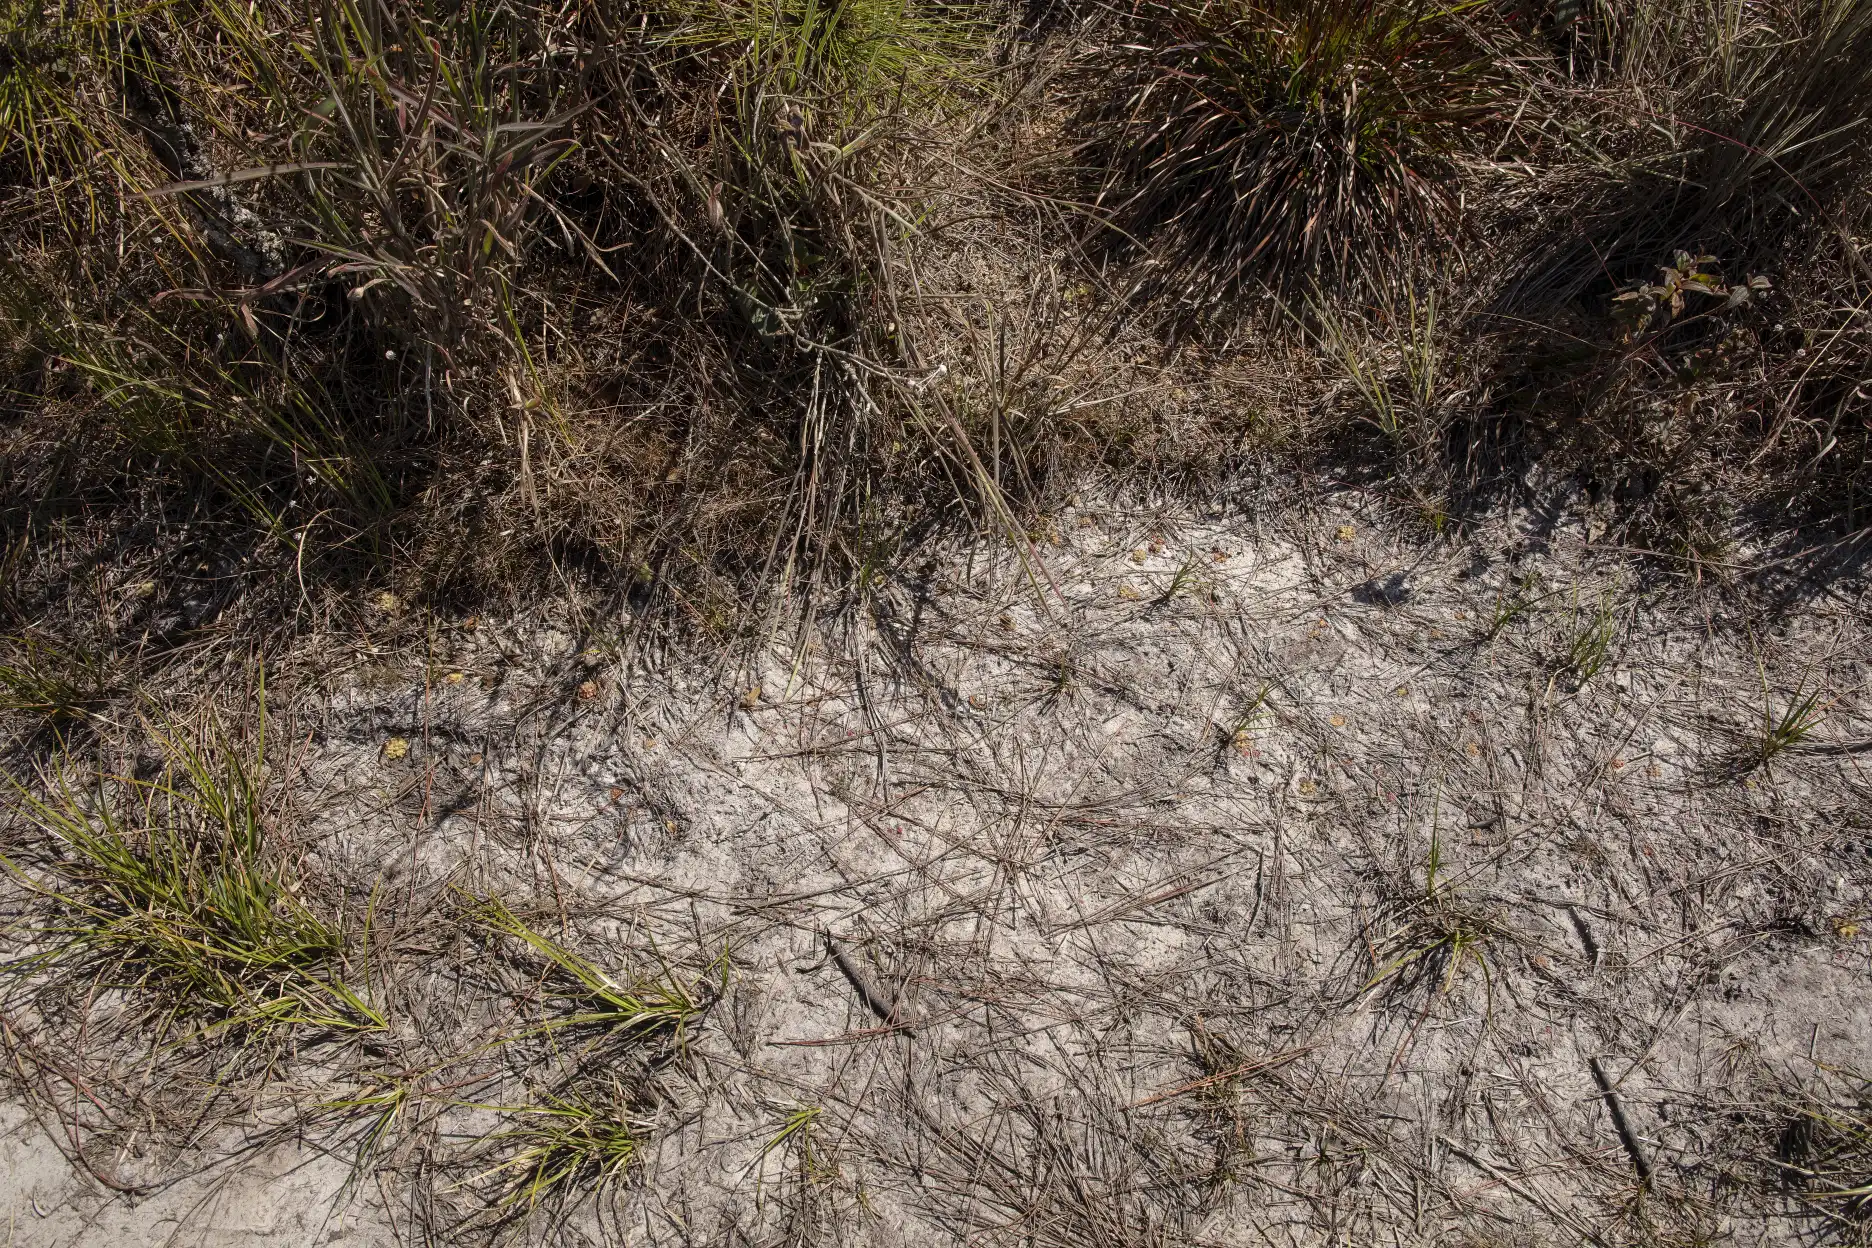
(765, 622)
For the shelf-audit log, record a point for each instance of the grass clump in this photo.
(1433, 947)
(1282, 141)
(1824, 1151)
(604, 288)
(1401, 400)
(849, 56)
(582, 1134)
(566, 1144)
(699, 303)
(1592, 640)
(1441, 933)
(1787, 728)
(1686, 317)
(168, 891)
(1751, 121)
(51, 685)
(657, 1005)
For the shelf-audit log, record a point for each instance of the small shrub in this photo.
(1660, 303)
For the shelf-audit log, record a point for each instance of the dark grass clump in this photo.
(1823, 1151)
(662, 303)
(1290, 141)
(468, 299)
(1662, 296)
(1803, 1139)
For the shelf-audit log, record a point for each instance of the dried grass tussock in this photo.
(1160, 624)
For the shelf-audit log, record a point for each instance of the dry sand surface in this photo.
(1199, 878)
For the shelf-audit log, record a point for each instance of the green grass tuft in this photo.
(645, 1006)
(55, 685)
(1787, 728)
(166, 888)
(566, 1143)
(842, 56)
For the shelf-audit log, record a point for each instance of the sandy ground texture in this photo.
(1192, 879)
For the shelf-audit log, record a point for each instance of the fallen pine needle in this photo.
(1233, 1072)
